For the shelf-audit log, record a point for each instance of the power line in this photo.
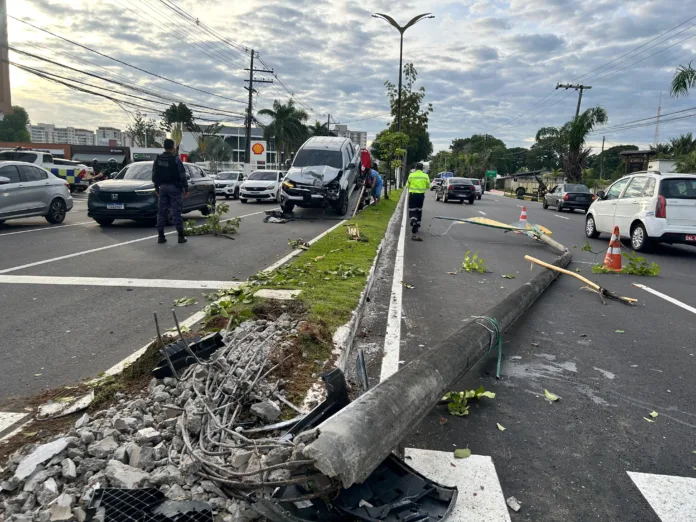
(122, 62)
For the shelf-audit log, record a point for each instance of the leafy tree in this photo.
(684, 79)
(443, 161)
(14, 126)
(389, 147)
(662, 149)
(287, 126)
(414, 118)
(547, 151)
(143, 131)
(515, 160)
(175, 119)
(320, 129)
(613, 162)
(204, 136)
(683, 145)
(687, 163)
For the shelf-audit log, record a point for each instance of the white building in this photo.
(109, 136)
(357, 137)
(48, 133)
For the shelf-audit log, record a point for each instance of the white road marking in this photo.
(392, 338)
(483, 213)
(520, 206)
(108, 247)
(49, 227)
(672, 498)
(562, 217)
(667, 298)
(480, 496)
(9, 419)
(116, 281)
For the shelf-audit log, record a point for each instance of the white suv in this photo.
(478, 187)
(648, 207)
(228, 184)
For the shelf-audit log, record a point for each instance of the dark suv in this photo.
(324, 173)
(131, 195)
(456, 188)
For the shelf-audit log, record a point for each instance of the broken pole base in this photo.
(352, 443)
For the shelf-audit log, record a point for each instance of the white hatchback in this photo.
(648, 207)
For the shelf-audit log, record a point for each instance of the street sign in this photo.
(491, 173)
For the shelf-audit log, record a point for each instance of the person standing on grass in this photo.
(171, 187)
(376, 183)
(418, 184)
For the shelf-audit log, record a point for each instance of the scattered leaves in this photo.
(649, 420)
(508, 276)
(458, 401)
(634, 265)
(474, 263)
(452, 273)
(408, 285)
(185, 301)
(550, 396)
(500, 426)
(300, 244)
(319, 258)
(462, 453)
(535, 345)
(37, 375)
(654, 414)
(619, 331)
(214, 223)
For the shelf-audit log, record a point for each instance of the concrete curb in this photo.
(345, 335)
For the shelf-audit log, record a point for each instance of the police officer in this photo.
(418, 184)
(169, 177)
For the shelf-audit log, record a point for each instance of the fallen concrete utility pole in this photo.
(352, 443)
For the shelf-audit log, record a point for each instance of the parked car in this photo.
(28, 190)
(74, 174)
(568, 196)
(131, 194)
(324, 173)
(435, 183)
(477, 186)
(456, 188)
(227, 184)
(261, 185)
(648, 208)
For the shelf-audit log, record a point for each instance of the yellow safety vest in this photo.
(418, 182)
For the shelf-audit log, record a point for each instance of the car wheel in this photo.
(104, 222)
(437, 197)
(478, 197)
(227, 196)
(545, 204)
(559, 206)
(236, 193)
(445, 199)
(461, 201)
(287, 206)
(243, 200)
(342, 208)
(471, 201)
(591, 227)
(209, 205)
(56, 212)
(640, 241)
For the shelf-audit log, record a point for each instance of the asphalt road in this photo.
(54, 335)
(610, 365)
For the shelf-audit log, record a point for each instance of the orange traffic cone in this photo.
(612, 260)
(523, 217)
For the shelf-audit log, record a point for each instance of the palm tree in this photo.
(683, 145)
(687, 163)
(320, 129)
(573, 135)
(663, 149)
(287, 127)
(684, 79)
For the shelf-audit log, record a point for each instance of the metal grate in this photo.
(144, 505)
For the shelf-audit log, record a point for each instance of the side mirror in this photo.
(4, 180)
(601, 194)
(350, 166)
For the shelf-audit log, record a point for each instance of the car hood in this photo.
(225, 181)
(319, 175)
(121, 185)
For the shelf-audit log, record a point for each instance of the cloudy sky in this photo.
(487, 66)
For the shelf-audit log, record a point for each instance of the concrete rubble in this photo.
(164, 439)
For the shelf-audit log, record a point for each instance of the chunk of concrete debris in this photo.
(39, 456)
(123, 476)
(61, 509)
(68, 469)
(104, 448)
(82, 421)
(239, 457)
(125, 423)
(148, 435)
(514, 504)
(47, 491)
(267, 411)
(80, 514)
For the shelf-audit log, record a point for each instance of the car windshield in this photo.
(317, 157)
(678, 188)
(28, 157)
(140, 171)
(227, 175)
(459, 181)
(577, 188)
(263, 175)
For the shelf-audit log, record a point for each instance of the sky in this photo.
(487, 66)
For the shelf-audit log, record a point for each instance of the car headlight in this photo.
(333, 187)
(145, 192)
(93, 188)
(288, 184)
(271, 186)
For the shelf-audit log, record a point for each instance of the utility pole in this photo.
(5, 94)
(328, 124)
(657, 124)
(601, 165)
(578, 87)
(250, 114)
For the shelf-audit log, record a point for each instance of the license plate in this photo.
(691, 238)
(581, 198)
(115, 206)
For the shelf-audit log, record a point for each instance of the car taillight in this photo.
(593, 197)
(566, 197)
(661, 208)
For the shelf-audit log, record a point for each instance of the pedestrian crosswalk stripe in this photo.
(480, 496)
(672, 498)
